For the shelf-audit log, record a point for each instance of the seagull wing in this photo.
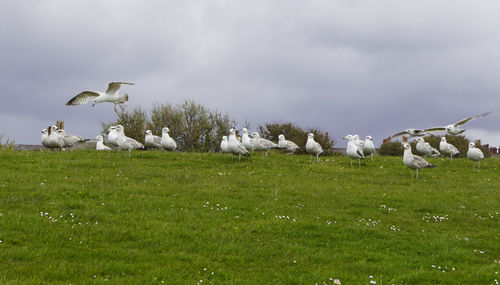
(157, 139)
(419, 161)
(459, 123)
(435, 129)
(83, 98)
(113, 87)
(399, 134)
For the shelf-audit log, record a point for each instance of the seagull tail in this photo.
(247, 154)
(430, 166)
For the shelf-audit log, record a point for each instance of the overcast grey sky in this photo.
(364, 67)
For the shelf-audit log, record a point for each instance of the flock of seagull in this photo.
(55, 138)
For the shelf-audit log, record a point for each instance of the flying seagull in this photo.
(111, 95)
(414, 162)
(454, 129)
(411, 132)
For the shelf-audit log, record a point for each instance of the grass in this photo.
(87, 217)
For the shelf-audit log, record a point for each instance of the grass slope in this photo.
(186, 218)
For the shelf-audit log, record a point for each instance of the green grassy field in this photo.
(85, 217)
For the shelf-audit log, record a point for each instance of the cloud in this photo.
(342, 66)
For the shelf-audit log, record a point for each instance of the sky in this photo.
(346, 67)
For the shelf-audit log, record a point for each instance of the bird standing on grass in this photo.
(100, 144)
(447, 148)
(368, 147)
(125, 142)
(425, 148)
(474, 154)
(167, 142)
(353, 150)
(287, 146)
(152, 141)
(414, 162)
(111, 95)
(261, 144)
(224, 145)
(247, 141)
(235, 146)
(313, 147)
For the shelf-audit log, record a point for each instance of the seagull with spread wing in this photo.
(111, 95)
(454, 129)
(411, 132)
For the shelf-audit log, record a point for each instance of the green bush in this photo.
(194, 127)
(297, 135)
(7, 145)
(391, 148)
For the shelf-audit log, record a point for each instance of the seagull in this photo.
(100, 144)
(152, 141)
(113, 136)
(261, 144)
(224, 145)
(353, 150)
(246, 140)
(411, 132)
(474, 154)
(111, 95)
(54, 140)
(313, 147)
(425, 148)
(45, 137)
(167, 142)
(69, 139)
(447, 148)
(357, 141)
(454, 129)
(287, 146)
(414, 162)
(235, 146)
(125, 142)
(369, 147)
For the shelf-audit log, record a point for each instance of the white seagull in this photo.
(45, 137)
(474, 154)
(224, 145)
(414, 162)
(54, 140)
(166, 141)
(411, 132)
(125, 142)
(447, 148)
(261, 144)
(111, 95)
(152, 141)
(454, 129)
(425, 148)
(235, 146)
(287, 146)
(113, 136)
(100, 144)
(353, 150)
(69, 139)
(313, 147)
(246, 140)
(369, 147)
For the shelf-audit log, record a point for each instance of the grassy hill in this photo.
(85, 217)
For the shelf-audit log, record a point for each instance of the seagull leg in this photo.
(359, 162)
(317, 157)
(417, 173)
(239, 157)
(351, 162)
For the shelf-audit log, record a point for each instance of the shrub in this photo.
(194, 127)
(391, 148)
(297, 135)
(8, 145)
